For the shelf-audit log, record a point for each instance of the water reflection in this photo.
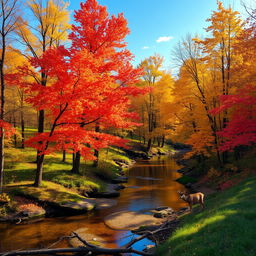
(151, 184)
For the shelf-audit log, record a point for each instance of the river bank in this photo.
(151, 184)
(226, 226)
(64, 193)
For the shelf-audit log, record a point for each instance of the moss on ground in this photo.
(49, 191)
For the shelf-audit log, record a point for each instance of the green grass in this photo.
(54, 170)
(49, 191)
(77, 182)
(60, 185)
(20, 167)
(227, 226)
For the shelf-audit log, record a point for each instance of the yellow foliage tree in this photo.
(206, 73)
(152, 107)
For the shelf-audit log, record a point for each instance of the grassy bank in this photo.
(20, 167)
(60, 185)
(226, 227)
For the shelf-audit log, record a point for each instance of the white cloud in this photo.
(145, 47)
(164, 39)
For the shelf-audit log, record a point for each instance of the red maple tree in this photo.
(241, 129)
(89, 82)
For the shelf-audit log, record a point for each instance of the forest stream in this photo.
(151, 184)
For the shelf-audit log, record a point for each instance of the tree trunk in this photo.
(237, 153)
(76, 163)
(1, 159)
(225, 157)
(15, 136)
(163, 141)
(41, 121)
(149, 144)
(39, 170)
(96, 152)
(64, 156)
(39, 158)
(2, 110)
(96, 161)
(158, 141)
(22, 129)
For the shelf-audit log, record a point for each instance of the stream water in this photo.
(151, 184)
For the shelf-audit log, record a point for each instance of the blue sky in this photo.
(149, 20)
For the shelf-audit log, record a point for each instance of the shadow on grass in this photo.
(12, 176)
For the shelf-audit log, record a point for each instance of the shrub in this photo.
(213, 173)
(4, 198)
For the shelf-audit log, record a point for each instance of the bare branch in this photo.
(250, 11)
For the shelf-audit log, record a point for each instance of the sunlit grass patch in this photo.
(75, 181)
(21, 167)
(54, 170)
(49, 191)
(226, 227)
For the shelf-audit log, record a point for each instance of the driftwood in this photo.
(90, 249)
(76, 251)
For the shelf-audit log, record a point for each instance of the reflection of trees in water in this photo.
(162, 190)
(162, 169)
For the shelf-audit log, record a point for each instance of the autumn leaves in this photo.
(215, 92)
(87, 88)
(211, 104)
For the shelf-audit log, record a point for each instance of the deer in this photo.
(191, 199)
